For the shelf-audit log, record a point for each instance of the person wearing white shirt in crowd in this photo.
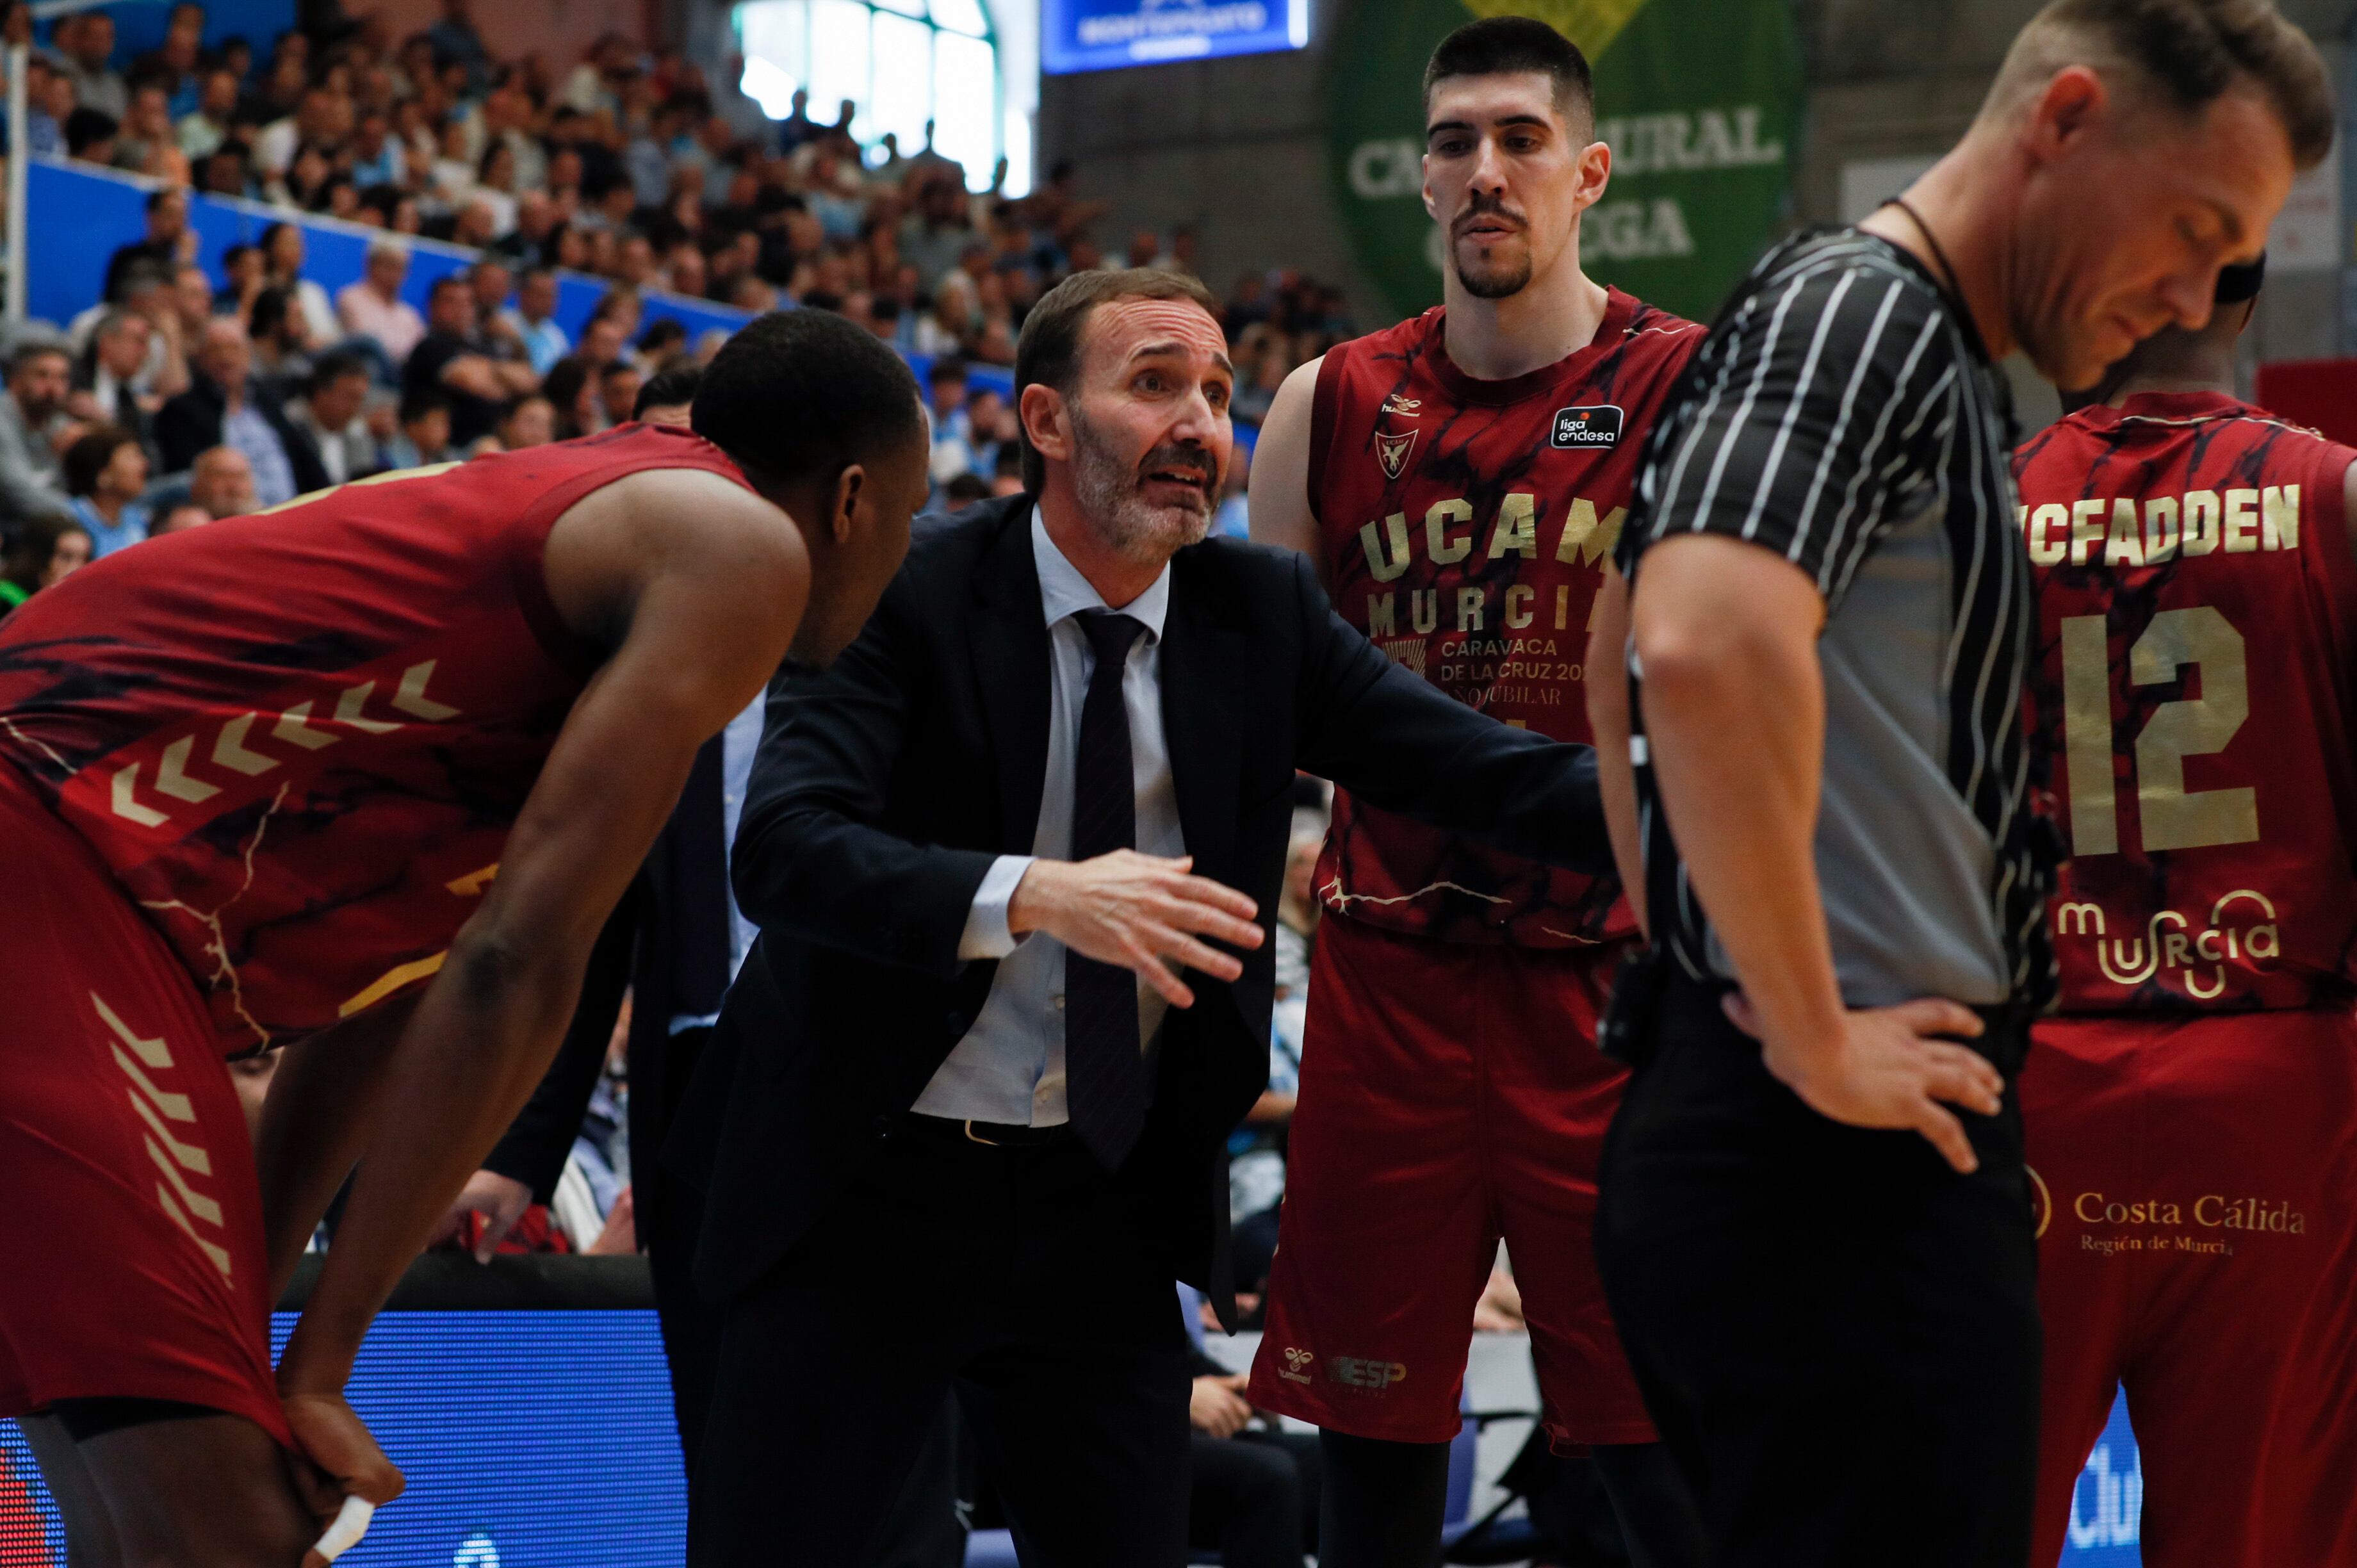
(114, 378)
(283, 253)
(202, 132)
(495, 187)
(373, 308)
(322, 117)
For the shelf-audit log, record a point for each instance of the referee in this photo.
(1815, 1226)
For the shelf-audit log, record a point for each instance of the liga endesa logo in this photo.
(1595, 425)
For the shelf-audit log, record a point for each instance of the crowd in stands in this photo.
(620, 166)
(171, 401)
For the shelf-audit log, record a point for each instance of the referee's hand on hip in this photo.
(1890, 1068)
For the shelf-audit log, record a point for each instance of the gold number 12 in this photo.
(2168, 816)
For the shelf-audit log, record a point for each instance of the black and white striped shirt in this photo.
(1845, 415)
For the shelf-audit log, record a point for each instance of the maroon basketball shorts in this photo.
(2197, 1190)
(131, 1226)
(1451, 1095)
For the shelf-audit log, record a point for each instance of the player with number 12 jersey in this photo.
(2192, 1117)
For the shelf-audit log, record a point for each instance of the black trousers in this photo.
(922, 1529)
(1025, 1278)
(1836, 1334)
(669, 1215)
(1255, 1497)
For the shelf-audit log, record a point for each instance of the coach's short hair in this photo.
(2187, 53)
(1049, 351)
(802, 392)
(1500, 46)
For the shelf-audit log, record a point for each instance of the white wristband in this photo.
(350, 1523)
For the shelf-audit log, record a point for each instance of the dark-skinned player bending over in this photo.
(358, 779)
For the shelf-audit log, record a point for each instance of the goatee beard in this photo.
(1494, 282)
(1107, 490)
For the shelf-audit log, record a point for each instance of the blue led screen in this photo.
(1099, 35)
(530, 1439)
(545, 1440)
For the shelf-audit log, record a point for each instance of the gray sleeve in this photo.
(28, 486)
(1813, 426)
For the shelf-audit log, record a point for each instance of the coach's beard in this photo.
(1109, 492)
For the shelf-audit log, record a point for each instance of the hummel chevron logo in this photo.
(234, 745)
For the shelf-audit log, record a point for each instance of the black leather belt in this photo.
(993, 1134)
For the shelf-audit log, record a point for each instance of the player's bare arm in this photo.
(1726, 635)
(698, 587)
(1608, 719)
(316, 1121)
(1280, 471)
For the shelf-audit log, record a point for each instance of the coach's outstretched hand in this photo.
(335, 1457)
(1889, 1069)
(1136, 910)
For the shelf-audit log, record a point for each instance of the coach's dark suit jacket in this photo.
(885, 788)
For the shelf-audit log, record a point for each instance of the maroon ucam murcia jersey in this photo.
(1466, 526)
(2191, 708)
(299, 738)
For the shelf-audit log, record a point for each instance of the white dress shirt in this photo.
(1009, 1067)
(738, 742)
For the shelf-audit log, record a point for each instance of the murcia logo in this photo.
(1595, 426)
(1392, 452)
(1405, 407)
(1296, 1358)
(2177, 953)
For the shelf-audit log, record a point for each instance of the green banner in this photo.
(1700, 101)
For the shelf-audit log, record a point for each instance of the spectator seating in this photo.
(65, 261)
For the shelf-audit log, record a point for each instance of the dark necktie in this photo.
(697, 842)
(1103, 1076)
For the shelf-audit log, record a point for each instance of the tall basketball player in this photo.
(358, 778)
(1460, 480)
(2192, 1117)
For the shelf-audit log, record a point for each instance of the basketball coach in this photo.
(1014, 858)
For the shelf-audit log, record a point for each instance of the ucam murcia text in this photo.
(1449, 534)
